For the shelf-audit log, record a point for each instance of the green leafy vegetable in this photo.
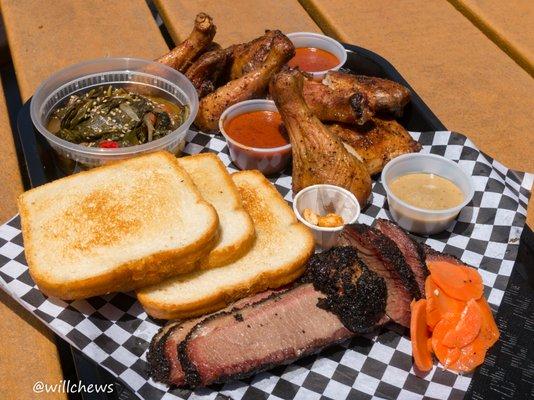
(115, 114)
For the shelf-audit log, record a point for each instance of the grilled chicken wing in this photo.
(181, 57)
(330, 105)
(377, 94)
(376, 142)
(249, 86)
(348, 98)
(318, 155)
(206, 72)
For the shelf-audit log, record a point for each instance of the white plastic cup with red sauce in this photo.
(318, 41)
(268, 161)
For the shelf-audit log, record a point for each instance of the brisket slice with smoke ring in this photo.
(383, 256)
(284, 326)
(276, 331)
(160, 364)
(411, 250)
(163, 356)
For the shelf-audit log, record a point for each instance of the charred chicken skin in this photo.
(181, 57)
(376, 142)
(319, 156)
(330, 105)
(207, 71)
(376, 94)
(247, 57)
(354, 99)
(217, 67)
(251, 85)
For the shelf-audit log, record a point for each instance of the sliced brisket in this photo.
(278, 330)
(411, 250)
(282, 326)
(160, 363)
(382, 256)
(163, 356)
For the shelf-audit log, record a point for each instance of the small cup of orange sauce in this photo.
(256, 137)
(316, 54)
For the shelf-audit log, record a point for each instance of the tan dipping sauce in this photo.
(428, 191)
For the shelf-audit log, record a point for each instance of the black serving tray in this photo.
(40, 168)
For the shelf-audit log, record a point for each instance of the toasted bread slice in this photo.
(276, 258)
(236, 230)
(115, 228)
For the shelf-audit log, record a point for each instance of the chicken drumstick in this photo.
(181, 57)
(319, 156)
(249, 86)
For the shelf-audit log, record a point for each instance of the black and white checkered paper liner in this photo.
(114, 330)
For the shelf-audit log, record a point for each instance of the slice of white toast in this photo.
(277, 257)
(115, 228)
(236, 230)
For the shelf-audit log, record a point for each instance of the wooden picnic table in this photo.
(470, 60)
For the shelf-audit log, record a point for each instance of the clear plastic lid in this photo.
(159, 79)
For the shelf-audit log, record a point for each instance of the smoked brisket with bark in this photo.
(338, 292)
(275, 331)
(369, 279)
(412, 251)
(383, 256)
(163, 351)
(353, 292)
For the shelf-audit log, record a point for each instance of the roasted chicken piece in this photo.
(330, 105)
(249, 86)
(348, 98)
(219, 66)
(247, 57)
(376, 94)
(376, 142)
(181, 57)
(319, 156)
(208, 70)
